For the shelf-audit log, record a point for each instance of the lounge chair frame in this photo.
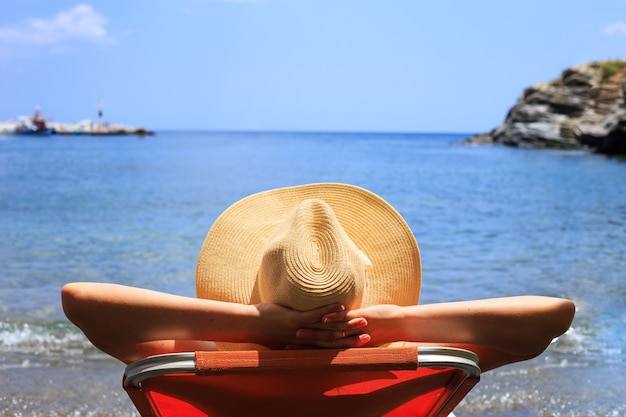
(363, 382)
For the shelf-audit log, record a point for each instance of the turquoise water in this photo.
(490, 221)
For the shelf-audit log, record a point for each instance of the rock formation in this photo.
(583, 108)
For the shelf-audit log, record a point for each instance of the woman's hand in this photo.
(281, 327)
(373, 325)
(278, 326)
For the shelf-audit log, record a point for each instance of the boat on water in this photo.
(33, 125)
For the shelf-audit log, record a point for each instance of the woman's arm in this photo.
(500, 330)
(129, 323)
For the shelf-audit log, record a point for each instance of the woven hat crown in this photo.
(310, 261)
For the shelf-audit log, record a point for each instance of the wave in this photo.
(40, 343)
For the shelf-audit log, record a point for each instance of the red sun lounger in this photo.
(359, 382)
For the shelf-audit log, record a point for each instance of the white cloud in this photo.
(81, 22)
(617, 28)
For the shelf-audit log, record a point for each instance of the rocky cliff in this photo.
(583, 108)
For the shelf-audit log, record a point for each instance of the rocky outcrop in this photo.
(583, 108)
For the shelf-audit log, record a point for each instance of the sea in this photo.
(490, 221)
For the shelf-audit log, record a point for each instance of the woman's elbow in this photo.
(72, 300)
(563, 313)
(68, 299)
(545, 319)
(556, 321)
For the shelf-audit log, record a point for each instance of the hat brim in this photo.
(231, 254)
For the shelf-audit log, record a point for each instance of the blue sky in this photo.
(316, 65)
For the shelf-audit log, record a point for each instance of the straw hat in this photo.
(308, 246)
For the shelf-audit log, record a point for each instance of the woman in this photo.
(319, 265)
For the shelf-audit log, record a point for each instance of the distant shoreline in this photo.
(113, 132)
(39, 125)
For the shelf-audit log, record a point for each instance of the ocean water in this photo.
(490, 221)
